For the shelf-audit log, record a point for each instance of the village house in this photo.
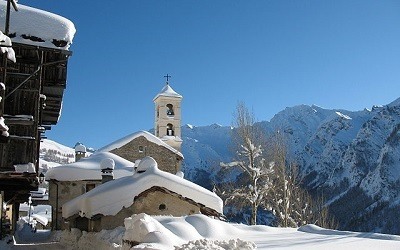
(149, 190)
(72, 180)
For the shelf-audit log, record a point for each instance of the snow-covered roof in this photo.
(110, 197)
(150, 137)
(89, 168)
(37, 27)
(167, 91)
(80, 148)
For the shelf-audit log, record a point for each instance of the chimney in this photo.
(80, 151)
(107, 166)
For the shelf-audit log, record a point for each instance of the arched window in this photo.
(170, 129)
(170, 109)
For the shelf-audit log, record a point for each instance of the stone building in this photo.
(72, 180)
(141, 144)
(149, 190)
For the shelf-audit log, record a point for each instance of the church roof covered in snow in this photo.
(150, 137)
(167, 91)
(110, 197)
(89, 168)
(37, 27)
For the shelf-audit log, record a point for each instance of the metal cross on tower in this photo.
(167, 76)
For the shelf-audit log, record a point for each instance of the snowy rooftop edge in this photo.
(89, 168)
(38, 27)
(150, 137)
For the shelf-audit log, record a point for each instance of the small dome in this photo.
(107, 163)
(145, 164)
(80, 148)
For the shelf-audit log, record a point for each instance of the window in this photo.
(141, 150)
(170, 109)
(170, 129)
(162, 207)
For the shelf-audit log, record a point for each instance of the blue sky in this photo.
(269, 54)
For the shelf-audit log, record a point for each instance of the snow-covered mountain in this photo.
(351, 158)
(53, 154)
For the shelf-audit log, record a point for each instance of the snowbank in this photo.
(202, 232)
(186, 232)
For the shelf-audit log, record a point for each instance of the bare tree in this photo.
(292, 205)
(250, 161)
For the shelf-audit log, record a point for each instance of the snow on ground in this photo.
(199, 232)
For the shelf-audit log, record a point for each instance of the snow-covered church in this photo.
(139, 173)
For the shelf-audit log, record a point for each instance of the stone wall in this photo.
(152, 202)
(61, 192)
(140, 147)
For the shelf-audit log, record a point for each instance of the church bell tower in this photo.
(168, 116)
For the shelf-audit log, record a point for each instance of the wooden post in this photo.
(1, 212)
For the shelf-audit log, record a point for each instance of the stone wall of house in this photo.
(150, 202)
(61, 192)
(153, 203)
(140, 147)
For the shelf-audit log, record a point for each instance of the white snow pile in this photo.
(103, 240)
(6, 41)
(37, 27)
(150, 137)
(25, 168)
(3, 127)
(207, 244)
(110, 197)
(190, 232)
(89, 168)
